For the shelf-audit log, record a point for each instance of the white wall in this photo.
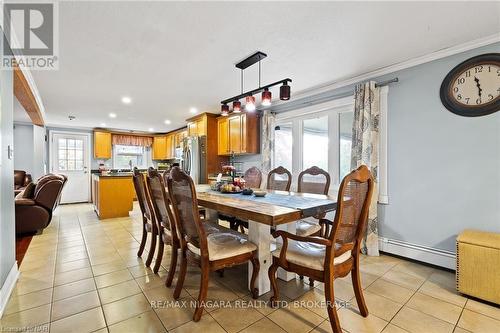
(23, 146)
(29, 145)
(39, 155)
(8, 267)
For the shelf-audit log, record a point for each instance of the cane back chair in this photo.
(335, 255)
(209, 247)
(147, 214)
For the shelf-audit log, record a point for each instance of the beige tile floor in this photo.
(83, 275)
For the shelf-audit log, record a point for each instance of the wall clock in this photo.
(472, 88)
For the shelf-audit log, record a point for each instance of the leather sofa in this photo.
(21, 180)
(34, 214)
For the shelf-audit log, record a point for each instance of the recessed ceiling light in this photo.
(126, 100)
(168, 122)
(151, 129)
(112, 115)
(103, 124)
(193, 110)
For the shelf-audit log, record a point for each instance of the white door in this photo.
(70, 156)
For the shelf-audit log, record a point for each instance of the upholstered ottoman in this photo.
(478, 265)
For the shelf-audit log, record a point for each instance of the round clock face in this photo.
(477, 85)
(473, 87)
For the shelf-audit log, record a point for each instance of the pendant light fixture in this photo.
(224, 109)
(250, 104)
(266, 100)
(285, 92)
(266, 97)
(236, 106)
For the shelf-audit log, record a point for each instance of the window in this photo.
(70, 154)
(345, 141)
(318, 135)
(315, 143)
(127, 157)
(283, 145)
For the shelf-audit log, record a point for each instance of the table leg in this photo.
(291, 228)
(259, 234)
(211, 215)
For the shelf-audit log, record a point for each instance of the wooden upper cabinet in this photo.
(234, 126)
(102, 145)
(238, 134)
(222, 136)
(160, 148)
(192, 128)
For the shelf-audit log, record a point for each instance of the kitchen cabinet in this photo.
(234, 129)
(205, 124)
(159, 147)
(197, 126)
(222, 131)
(112, 195)
(179, 137)
(170, 146)
(238, 134)
(102, 145)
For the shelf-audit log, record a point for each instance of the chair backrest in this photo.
(353, 202)
(279, 179)
(19, 178)
(165, 175)
(160, 201)
(48, 190)
(182, 195)
(314, 180)
(142, 195)
(253, 177)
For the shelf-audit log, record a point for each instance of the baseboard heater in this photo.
(442, 258)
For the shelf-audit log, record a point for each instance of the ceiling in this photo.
(171, 56)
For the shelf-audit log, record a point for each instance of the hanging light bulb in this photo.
(236, 106)
(224, 109)
(250, 103)
(285, 92)
(266, 97)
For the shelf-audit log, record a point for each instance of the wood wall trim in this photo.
(25, 96)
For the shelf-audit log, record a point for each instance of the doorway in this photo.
(70, 156)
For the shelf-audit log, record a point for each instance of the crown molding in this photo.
(439, 54)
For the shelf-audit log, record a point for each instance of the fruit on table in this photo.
(230, 188)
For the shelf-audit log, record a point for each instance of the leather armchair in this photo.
(34, 214)
(21, 180)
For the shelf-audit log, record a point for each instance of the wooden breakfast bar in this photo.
(279, 209)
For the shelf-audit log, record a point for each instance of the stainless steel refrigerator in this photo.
(194, 158)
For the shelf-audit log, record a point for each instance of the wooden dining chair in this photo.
(165, 225)
(253, 177)
(336, 255)
(210, 248)
(279, 179)
(147, 214)
(316, 181)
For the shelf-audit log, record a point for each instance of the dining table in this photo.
(277, 209)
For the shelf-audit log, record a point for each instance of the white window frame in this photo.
(147, 156)
(333, 109)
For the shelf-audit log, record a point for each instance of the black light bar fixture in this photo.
(250, 105)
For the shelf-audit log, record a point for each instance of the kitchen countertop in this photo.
(118, 174)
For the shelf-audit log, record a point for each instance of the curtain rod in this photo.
(384, 83)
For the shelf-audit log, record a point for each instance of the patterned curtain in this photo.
(131, 140)
(268, 122)
(365, 142)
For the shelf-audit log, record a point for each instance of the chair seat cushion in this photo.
(308, 255)
(224, 243)
(307, 227)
